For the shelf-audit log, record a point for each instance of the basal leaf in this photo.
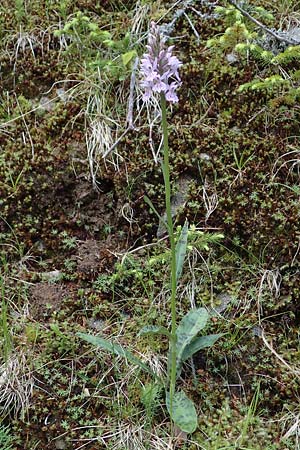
(198, 344)
(183, 412)
(181, 249)
(153, 329)
(193, 322)
(115, 349)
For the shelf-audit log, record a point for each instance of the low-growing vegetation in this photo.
(149, 244)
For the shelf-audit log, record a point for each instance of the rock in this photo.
(257, 331)
(178, 200)
(293, 34)
(52, 276)
(224, 300)
(60, 444)
(204, 157)
(232, 58)
(97, 325)
(61, 93)
(46, 104)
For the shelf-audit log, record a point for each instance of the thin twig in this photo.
(27, 128)
(108, 151)
(192, 26)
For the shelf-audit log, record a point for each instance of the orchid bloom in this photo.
(159, 68)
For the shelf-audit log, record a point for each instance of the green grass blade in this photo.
(115, 349)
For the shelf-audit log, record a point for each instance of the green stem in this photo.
(166, 173)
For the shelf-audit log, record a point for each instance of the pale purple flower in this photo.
(159, 68)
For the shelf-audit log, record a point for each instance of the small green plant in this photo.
(5, 438)
(250, 415)
(239, 30)
(241, 161)
(188, 343)
(100, 49)
(275, 51)
(68, 242)
(19, 10)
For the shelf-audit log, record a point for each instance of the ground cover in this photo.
(83, 252)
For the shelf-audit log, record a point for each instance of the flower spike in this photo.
(159, 68)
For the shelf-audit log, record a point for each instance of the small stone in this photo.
(225, 300)
(232, 58)
(53, 275)
(46, 104)
(204, 157)
(293, 34)
(257, 331)
(61, 93)
(86, 392)
(60, 444)
(97, 325)
(181, 436)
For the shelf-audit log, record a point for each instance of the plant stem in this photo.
(166, 173)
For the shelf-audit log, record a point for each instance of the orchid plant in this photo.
(159, 77)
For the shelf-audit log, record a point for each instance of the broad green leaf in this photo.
(127, 57)
(153, 329)
(198, 344)
(115, 349)
(193, 322)
(183, 412)
(181, 250)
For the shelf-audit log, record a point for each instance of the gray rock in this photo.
(232, 58)
(46, 104)
(224, 300)
(178, 200)
(293, 34)
(60, 444)
(97, 325)
(61, 93)
(204, 157)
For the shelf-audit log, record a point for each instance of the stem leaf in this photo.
(193, 322)
(152, 207)
(198, 344)
(181, 247)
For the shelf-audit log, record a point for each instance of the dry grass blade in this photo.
(291, 160)
(16, 385)
(210, 201)
(273, 280)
